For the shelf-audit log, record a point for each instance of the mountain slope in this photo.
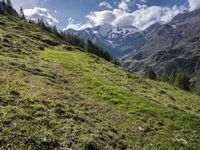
(187, 17)
(53, 98)
(173, 46)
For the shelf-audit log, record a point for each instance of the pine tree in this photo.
(8, 7)
(163, 77)
(172, 76)
(21, 14)
(183, 81)
(150, 73)
(8, 3)
(91, 47)
(4, 5)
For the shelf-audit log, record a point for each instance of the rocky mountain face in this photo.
(164, 47)
(173, 46)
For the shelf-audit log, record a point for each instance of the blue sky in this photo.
(88, 13)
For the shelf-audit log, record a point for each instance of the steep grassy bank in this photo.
(53, 98)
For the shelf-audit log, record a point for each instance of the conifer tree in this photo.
(172, 76)
(21, 14)
(8, 3)
(163, 77)
(8, 7)
(183, 81)
(150, 73)
(4, 6)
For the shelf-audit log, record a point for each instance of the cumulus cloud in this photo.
(141, 18)
(124, 5)
(118, 17)
(102, 17)
(40, 13)
(194, 4)
(72, 24)
(106, 5)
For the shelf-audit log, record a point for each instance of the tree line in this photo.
(180, 79)
(86, 45)
(74, 40)
(6, 7)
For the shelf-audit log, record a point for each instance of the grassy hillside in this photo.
(53, 96)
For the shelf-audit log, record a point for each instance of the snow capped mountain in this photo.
(117, 40)
(112, 32)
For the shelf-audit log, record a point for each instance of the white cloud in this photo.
(141, 18)
(72, 24)
(106, 5)
(40, 13)
(194, 4)
(124, 5)
(102, 17)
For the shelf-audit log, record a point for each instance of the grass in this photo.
(146, 103)
(59, 99)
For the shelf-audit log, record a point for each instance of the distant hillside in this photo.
(55, 96)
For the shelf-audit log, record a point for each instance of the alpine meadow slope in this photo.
(55, 96)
